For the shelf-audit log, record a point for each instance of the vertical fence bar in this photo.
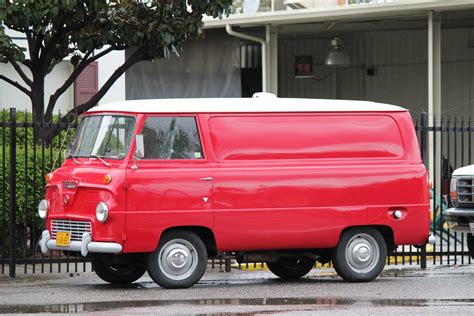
(33, 200)
(25, 192)
(440, 220)
(50, 127)
(42, 131)
(12, 268)
(456, 165)
(469, 130)
(228, 267)
(448, 233)
(60, 159)
(435, 185)
(4, 181)
(462, 164)
(35, 178)
(425, 155)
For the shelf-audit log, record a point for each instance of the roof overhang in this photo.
(341, 13)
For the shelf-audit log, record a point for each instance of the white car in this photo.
(461, 217)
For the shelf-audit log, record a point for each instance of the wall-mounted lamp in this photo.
(337, 57)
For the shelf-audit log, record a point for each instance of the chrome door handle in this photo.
(206, 179)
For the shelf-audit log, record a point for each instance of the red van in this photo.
(163, 185)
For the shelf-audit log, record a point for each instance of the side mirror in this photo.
(139, 146)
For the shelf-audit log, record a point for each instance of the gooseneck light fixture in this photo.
(337, 57)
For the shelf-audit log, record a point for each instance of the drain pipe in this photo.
(263, 42)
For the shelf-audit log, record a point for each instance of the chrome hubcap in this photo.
(178, 259)
(362, 253)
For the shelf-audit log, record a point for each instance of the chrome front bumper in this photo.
(460, 219)
(85, 246)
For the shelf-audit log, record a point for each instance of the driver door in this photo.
(171, 185)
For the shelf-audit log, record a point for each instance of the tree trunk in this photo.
(37, 100)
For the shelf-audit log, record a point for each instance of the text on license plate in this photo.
(63, 239)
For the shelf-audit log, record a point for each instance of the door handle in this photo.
(206, 179)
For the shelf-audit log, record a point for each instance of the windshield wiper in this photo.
(77, 162)
(102, 160)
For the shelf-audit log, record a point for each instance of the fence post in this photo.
(12, 268)
(425, 155)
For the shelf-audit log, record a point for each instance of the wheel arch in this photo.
(203, 232)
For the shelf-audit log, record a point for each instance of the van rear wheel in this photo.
(117, 273)
(291, 267)
(360, 255)
(179, 261)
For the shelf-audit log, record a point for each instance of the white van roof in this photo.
(243, 105)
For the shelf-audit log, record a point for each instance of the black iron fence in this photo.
(449, 142)
(27, 153)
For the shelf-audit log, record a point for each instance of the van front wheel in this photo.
(179, 261)
(360, 255)
(115, 273)
(291, 267)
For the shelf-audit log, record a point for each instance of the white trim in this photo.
(340, 13)
(244, 105)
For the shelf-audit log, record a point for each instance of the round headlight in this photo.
(43, 208)
(102, 212)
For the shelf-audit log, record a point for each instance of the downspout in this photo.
(263, 42)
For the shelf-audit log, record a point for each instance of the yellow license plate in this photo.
(63, 239)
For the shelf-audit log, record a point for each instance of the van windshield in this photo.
(106, 136)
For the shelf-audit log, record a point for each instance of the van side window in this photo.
(171, 138)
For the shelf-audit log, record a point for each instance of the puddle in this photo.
(402, 273)
(419, 273)
(304, 302)
(246, 281)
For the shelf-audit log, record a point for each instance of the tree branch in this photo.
(28, 64)
(49, 50)
(34, 46)
(76, 72)
(20, 72)
(16, 85)
(136, 57)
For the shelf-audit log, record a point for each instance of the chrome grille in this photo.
(465, 187)
(77, 228)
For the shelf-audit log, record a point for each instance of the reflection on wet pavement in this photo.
(306, 302)
(227, 282)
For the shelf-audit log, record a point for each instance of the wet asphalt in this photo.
(438, 290)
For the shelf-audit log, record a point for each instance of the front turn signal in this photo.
(453, 188)
(48, 177)
(107, 179)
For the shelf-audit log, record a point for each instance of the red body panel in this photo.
(258, 202)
